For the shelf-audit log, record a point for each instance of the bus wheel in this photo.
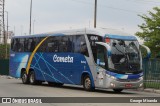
(25, 79)
(32, 79)
(87, 83)
(117, 90)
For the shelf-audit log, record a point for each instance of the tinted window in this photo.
(70, 43)
(43, 47)
(26, 41)
(24, 44)
(79, 44)
(53, 44)
(92, 39)
(63, 44)
(21, 46)
(17, 45)
(74, 43)
(31, 44)
(12, 44)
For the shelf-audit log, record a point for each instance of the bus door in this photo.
(102, 56)
(101, 65)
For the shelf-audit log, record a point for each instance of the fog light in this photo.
(141, 85)
(140, 78)
(113, 85)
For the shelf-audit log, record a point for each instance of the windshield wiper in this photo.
(125, 56)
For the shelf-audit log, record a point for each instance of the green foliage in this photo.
(151, 30)
(143, 51)
(3, 51)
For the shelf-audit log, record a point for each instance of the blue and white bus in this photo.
(94, 58)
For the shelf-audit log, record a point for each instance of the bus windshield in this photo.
(125, 56)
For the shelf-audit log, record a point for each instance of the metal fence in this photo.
(151, 73)
(4, 67)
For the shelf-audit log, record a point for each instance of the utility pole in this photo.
(4, 32)
(30, 18)
(6, 35)
(2, 26)
(7, 24)
(95, 14)
(1, 21)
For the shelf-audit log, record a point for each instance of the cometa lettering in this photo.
(67, 59)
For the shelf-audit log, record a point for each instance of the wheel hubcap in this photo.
(87, 83)
(32, 78)
(24, 78)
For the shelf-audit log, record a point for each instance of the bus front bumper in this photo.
(125, 84)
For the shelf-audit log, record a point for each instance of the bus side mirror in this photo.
(146, 52)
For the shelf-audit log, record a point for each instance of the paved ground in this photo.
(14, 88)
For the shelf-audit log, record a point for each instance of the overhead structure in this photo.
(95, 14)
(2, 23)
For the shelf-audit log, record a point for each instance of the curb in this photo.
(5, 76)
(152, 90)
(148, 90)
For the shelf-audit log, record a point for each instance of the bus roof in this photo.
(101, 32)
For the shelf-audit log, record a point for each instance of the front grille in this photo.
(128, 80)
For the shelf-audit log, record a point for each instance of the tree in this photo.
(151, 30)
(2, 51)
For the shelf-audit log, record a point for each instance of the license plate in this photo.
(128, 85)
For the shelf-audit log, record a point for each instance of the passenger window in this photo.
(17, 45)
(53, 44)
(63, 44)
(70, 44)
(21, 46)
(80, 45)
(13, 44)
(43, 47)
(31, 44)
(26, 41)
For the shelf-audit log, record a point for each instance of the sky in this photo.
(53, 15)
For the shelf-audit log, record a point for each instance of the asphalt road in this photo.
(14, 88)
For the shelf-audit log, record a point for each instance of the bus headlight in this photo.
(112, 85)
(112, 77)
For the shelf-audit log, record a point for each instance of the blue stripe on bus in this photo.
(39, 35)
(125, 76)
(122, 37)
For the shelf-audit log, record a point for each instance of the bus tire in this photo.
(24, 76)
(32, 79)
(87, 84)
(117, 90)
